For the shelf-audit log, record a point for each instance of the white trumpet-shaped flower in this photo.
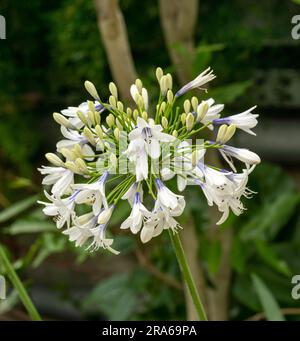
(80, 232)
(71, 113)
(244, 121)
(61, 179)
(60, 209)
(145, 140)
(162, 218)
(138, 213)
(242, 154)
(204, 77)
(212, 113)
(93, 194)
(75, 138)
(166, 197)
(99, 232)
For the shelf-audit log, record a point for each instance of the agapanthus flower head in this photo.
(110, 152)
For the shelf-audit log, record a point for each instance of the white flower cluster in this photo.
(156, 150)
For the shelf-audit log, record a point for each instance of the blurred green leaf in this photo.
(17, 208)
(270, 257)
(50, 244)
(238, 256)
(10, 302)
(27, 226)
(269, 304)
(229, 93)
(204, 54)
(113, 297)
(270, 218)
(21, 182)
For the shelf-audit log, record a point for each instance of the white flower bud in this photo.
(120, 106)
(129, 112)
(68, 154)
(135, 114)
(117, 133)
(229, 132)
(145, 115)
(169, 81)
(112, 101)
(119, 125)
(139, 85)
(187, 106)
(89, 135)
(81, 165)
(82, 117)
(105, 215)
(60, 119)
(54, 159)
(195, 103)
(159, 73)
(97, 117)
(202, 110)
(77, 150)
(163, 84)
(113, 89)
(221, 133)
(175, 133)
(70, 165)
(110, 120)
(99, 131)
(190, 120)
(164, 122)
(183, 118)
(91, 117)
(90, 87)
(170, 96)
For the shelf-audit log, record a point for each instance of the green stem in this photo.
(19, 286)
(186, 272)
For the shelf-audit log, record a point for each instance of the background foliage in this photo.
(51, 48)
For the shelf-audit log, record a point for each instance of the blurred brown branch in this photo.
(115, 39)
(145, 262)
(284, 311)
(178, 19)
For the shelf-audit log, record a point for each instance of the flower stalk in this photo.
(187, 275)
(33, 313)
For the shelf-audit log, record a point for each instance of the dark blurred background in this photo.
(52, 47)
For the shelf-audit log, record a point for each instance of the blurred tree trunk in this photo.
(190, 243)
(178, 19)
(115, 39)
